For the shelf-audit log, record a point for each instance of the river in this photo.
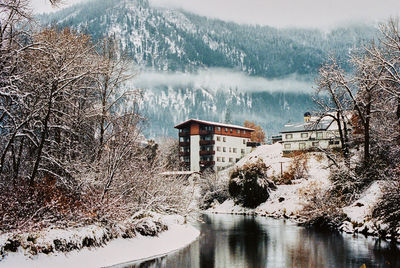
(250, 241)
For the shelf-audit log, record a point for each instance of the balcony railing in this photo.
(184, 153)
(203, 142)
(207, 163)
(207, 152)
(184, 143)
(184, 134)
(205, 132)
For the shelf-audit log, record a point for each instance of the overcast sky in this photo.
(280, 13)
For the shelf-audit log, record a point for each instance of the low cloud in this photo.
(223, 79)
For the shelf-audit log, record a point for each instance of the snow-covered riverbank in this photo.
(116, 251)
(289, 200)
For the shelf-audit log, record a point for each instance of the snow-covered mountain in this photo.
(193, 66)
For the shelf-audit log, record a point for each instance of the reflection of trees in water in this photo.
(322, 249)
(207, 252)
(248, 240)
(155, 263)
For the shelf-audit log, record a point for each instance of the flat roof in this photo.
(212, 124)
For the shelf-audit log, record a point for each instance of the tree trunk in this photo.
(44, 135)
(366, 131)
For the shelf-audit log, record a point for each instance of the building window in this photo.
(315, 144)
(224, 139)
(304, 135)
(223, 159)
(244, 141)
(237, 131)
(237, 160)
(218, 159)
(289, 136)
(244, 131)
(302, 145)
(218, 138)
(234, 150)
(224, 149)
(288, 146)
(226, 129)
(231, 160)
(320, 135)
(218, 149)
(242, 151)
(231, 130)
(218, 128)
(230, 149)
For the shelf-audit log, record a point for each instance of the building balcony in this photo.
(207, 163)
(206, 132)
(184, 143)
(184, 134)
(207, 142)
(207, 152)
(184, 153)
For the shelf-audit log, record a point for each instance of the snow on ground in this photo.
(360, 212)
(289, 200)
(115, 252)
(361, 209)
(271, 155)
(286, 200)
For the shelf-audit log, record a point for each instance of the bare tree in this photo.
(332, 101)
(117, 71)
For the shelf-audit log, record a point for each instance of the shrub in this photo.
(298, 169)
(388, 208)
(212, 188)
(249, 185)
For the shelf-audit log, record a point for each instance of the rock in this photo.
(358, 204)
(281, 199)
(347, 227)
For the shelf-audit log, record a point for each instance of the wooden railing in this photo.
(207, 152)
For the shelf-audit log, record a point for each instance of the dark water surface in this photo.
(247, 241)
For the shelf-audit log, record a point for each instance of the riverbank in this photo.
(113, 252)
(289, 200)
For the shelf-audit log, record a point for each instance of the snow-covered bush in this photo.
(323, 212)
(249, 185)
(388, 209)
(298, 169)
(212, 189)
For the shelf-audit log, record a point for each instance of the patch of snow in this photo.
(115, 252)
(361, 210)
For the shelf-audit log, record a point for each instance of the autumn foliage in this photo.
(258, 134)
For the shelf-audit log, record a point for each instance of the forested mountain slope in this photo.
(193, 66)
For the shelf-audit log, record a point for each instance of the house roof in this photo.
(181, 125)
(308, 126)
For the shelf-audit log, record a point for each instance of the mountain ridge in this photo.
(168, 42)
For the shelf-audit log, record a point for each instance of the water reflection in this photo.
(245, 241)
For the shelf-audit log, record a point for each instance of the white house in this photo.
(310, 135)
